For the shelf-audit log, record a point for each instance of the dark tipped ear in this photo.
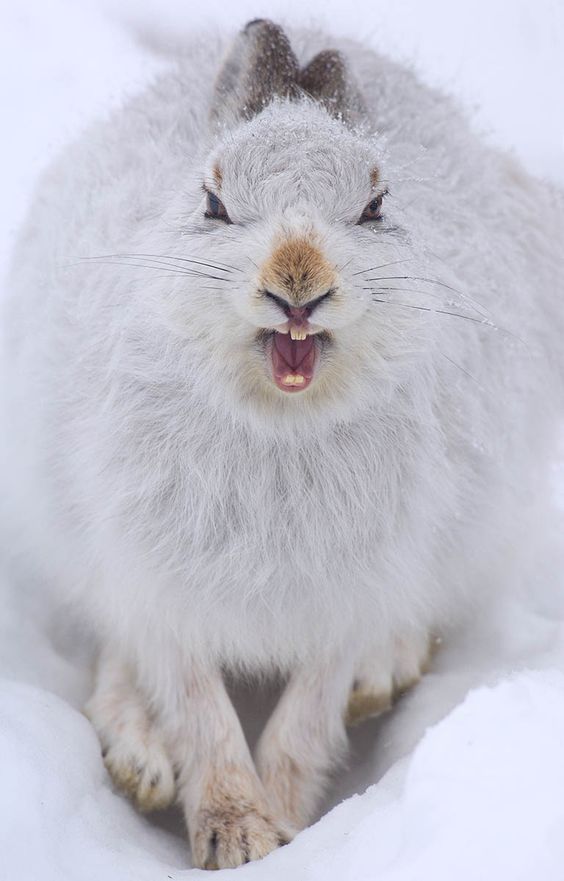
(327, 79)
(259, 67)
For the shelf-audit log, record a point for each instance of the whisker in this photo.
(434, 281)
(131, 265)
(393, 230)
(481, 321)
(224, 267)
(253, 262)
(161, 266)
(485, 322)
(345, 264)
(186, 270)
(154, 258)
(464, 301)
(466, 372)
(423, 293)
(382, 266)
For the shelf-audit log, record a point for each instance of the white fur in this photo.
(198, 516)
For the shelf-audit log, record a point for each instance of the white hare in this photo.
(279, 394)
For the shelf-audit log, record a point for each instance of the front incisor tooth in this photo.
(293, 379)
(297, 333)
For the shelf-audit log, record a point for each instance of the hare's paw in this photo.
(412, 659)
(140, 767)
(132, 747)
(369, 697)
(233, 823)
(234, 834)
(381, 679)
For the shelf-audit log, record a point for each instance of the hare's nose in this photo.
(298, 314)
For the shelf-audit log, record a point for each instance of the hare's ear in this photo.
(328, 80)
(259, 67)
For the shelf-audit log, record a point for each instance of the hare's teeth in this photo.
(297, 333)
(293, 379)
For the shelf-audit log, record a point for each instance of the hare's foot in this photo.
(369, 697)
(381, 679)
(132, 747)
(233, 823)
(229, 817)
(139, 766)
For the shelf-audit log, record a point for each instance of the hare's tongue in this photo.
(293, 361)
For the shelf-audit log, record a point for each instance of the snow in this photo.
(480, 797)
(469, 769)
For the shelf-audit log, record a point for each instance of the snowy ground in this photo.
(469, 769)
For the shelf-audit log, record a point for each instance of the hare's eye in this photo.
(215, 208)
(373, 210)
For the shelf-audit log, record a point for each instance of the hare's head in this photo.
(294, 206)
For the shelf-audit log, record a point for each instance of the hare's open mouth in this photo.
(293, 360)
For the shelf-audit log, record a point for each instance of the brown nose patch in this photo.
(298, 268)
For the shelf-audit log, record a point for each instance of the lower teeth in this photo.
(293, 379)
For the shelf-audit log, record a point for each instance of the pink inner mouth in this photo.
(293, 361)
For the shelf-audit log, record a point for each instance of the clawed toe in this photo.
(144, 774)
(230, 837)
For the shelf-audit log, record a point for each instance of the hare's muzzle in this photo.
(298, 279)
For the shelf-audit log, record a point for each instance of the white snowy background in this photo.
(467, 773)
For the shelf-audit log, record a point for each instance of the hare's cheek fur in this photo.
(274, 440)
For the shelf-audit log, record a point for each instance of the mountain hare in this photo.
(280, 402)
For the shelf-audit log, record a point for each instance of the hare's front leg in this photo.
(305, 738)
(132, 746)
(229, 818)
